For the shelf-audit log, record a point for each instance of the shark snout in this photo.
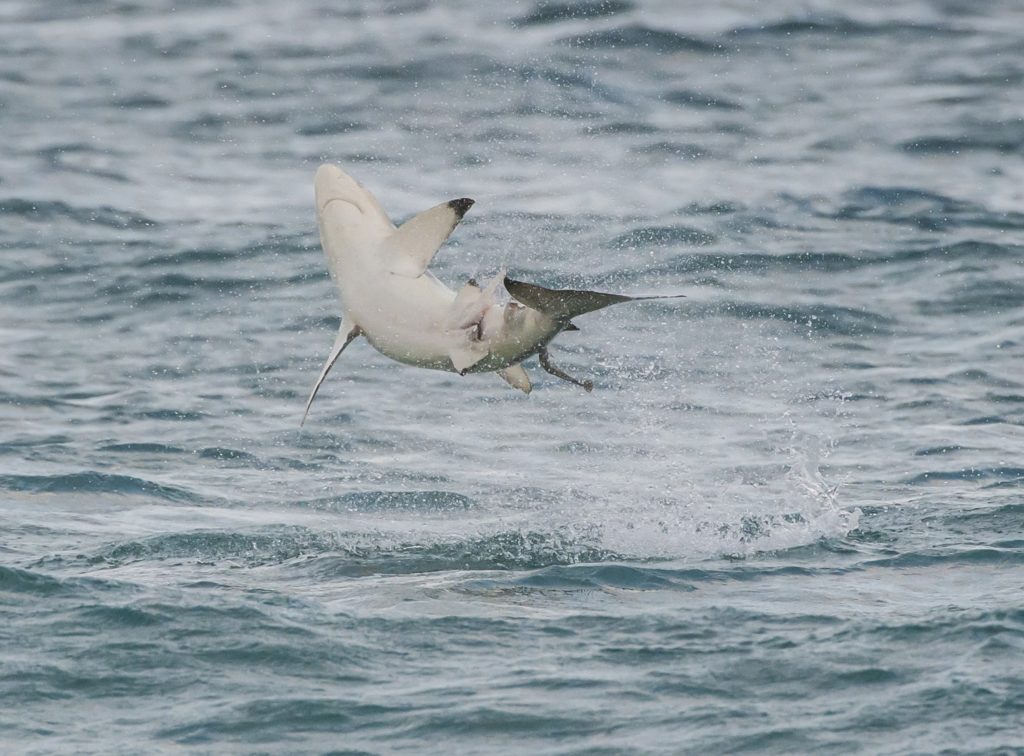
(330, 183)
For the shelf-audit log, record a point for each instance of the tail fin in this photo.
(567, 303)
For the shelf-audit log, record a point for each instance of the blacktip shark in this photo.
(390, 298)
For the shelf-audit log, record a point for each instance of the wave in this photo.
(21, 446)
(43, 211)
(968, 473)
(439, 68)
(139, 101)
(227, 454)
(1001, 137)
(661, 148)
(974, 375)
(989, 296)
(662, 236)
(335, 554)
(183, 281)
(690, 98)
(940, 450)
(268, 720)
(695, 261)
(332, 127)
(639, 36)
(982, 555)
(17, 582)
(545, 13)
(922, 209)
(388, 501)
(510, 550)
(82, 158)
(811, 319)
(142, 447)
(840, 27)
(93, 482)
(1006, 518)
(251, 549)
(13, 580)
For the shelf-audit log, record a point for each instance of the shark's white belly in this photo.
(410, 321)
(402, 318)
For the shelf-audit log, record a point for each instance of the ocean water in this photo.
(789, 517)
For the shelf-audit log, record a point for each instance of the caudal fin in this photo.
(567, 303)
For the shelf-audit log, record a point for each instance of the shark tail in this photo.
(563, 304)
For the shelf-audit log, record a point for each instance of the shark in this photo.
(391, 299)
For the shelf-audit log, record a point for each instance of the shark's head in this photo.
(332, 184)
(352, 222)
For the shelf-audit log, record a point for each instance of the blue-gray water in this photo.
(789, 518)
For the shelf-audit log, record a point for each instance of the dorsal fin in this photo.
(411, 248)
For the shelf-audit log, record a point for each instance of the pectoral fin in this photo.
(516, 377)
(348, 331)
(410, 249)
(465, 356)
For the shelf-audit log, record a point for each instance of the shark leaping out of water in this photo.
(391, 299)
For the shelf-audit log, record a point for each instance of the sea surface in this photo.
(789, 518)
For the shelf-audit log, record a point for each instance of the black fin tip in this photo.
(461, 206)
